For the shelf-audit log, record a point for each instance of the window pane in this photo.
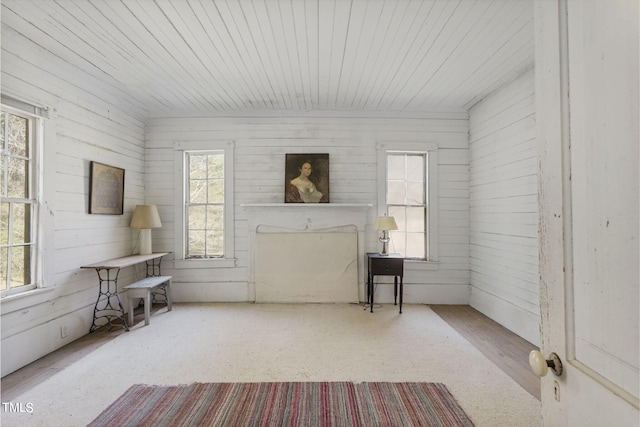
(415, 193)
(396, 166)
(215, 217)
(4, 217)
(197, 166)
(398, 212)
(396, 192)
(415, 168)
(214, 243)
(18, 169)
(20, 223)
(415, 245)
(415, 220)
(2, 122)
(196, 243)
(397, 243)
(20, 266)
(4, 259)
(216, 191)
(197, 191)
(2, 176)
(216, 165)
(197, 217)
(17, 136)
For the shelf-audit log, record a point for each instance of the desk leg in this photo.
(401, 292)
(371, 292)
(108, 305)
(395, 290)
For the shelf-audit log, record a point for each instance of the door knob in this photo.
(540, 366)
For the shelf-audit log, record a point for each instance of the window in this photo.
(409, 194)
(204, 226)
(204, 205)
(407, 188)
(19, 203)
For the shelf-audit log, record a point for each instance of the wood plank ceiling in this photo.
(225, 57)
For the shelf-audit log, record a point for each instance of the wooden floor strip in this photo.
(507, 350)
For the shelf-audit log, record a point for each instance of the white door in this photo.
(587, 95)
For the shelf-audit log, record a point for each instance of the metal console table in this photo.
(108, 301)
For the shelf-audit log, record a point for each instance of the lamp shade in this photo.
(384, 223)
(145, 216)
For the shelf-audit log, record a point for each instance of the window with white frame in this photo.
(409, 194)
(205, 220)
(19, 202)
(407, 188)
(204, 204)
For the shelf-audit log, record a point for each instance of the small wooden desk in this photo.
(384, 265)
(108, 276)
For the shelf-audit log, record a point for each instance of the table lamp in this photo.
(384, 224)
(145, 217)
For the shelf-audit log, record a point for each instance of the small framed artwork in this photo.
(106, 189)
(306, 178)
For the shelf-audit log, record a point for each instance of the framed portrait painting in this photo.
(106, 189)
(306, 178)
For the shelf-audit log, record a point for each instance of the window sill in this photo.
(20, 301)
(204, 263)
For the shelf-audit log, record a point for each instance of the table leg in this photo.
(104, 307)
(395, 290)
(401, 292)
(371, 292)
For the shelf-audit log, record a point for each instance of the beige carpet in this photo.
(302, 342)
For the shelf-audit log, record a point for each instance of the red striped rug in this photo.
(285, 404)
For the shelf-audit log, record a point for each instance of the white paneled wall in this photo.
(88, 123)
(260, 148)
(503, 208)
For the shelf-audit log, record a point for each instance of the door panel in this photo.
(587, 114)
(604, 188)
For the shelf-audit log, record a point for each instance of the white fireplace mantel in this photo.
(306, 217)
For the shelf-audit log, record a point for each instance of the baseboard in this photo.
(240, 292)
(517, 320)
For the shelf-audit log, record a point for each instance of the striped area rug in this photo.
(285, 404)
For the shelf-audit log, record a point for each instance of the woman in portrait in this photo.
(301, 189)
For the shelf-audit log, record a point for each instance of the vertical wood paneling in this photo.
(503, 208)
(188, 58)
(260, 148)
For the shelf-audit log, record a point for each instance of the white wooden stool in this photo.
(143, 289)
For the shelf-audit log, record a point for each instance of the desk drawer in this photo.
(390, 266)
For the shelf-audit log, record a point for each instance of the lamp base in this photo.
(384, 239)
(145, 241)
